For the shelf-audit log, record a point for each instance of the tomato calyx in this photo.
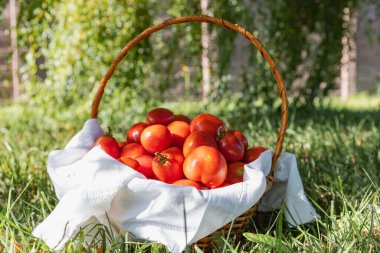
(220, 133)
(108, 132)
(162, 158)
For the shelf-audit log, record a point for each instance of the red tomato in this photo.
(130, 162)
(207, 123)
(176, 153)
(183, 118)
(187, 182)
(179, 130)
(253, 153)
(231, 148)
(154, 178)
(156, 138)
(121, 144)
(235, 172)
(160, 116)
(145, 162)
(133, 150)
(134, 133)
(207, 165)
(240, 137)
(166, 168)
(109, 145)
(198, 139)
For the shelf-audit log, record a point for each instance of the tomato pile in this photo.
(176, 150)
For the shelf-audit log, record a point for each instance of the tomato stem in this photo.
(220, 133)
(109, 132)
(161, 158)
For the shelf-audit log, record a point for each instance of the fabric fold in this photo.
(289, 189)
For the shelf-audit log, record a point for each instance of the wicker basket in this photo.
(239, 224)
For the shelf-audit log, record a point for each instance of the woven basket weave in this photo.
(239, 224)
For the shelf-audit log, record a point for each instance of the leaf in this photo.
(197, 249)
(279, 228)
(268, 241)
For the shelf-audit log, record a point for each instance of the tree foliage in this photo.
(2, 6)
(75, 41)
(70, 45)
(305, 39)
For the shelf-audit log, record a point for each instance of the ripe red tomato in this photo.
(109, 145)
(160, 116)
(207, 123)
(133, 150)
(253, 153)
(130, 162)
(241, 137)
(145, 162)
(235, 172)
(187, 182)
(207, 165)
(175, 152)
(166, 168)
(121, 144)
(156, 138)
(134, 133)
(231, 148)
(154, 178)
(179, 130)
(181, 117)
(198, 139)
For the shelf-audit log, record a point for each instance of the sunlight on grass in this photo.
(360, 101)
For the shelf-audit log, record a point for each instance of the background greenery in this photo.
(68, 46)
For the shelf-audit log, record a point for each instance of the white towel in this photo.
(91, 185)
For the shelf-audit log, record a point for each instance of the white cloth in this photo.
(91, 185)
(289, 189)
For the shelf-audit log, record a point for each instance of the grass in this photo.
(337, 146)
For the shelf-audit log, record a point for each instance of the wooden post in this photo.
(13, 28)
(348, 61)
(205, 61)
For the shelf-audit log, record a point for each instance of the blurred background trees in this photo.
(68, 45)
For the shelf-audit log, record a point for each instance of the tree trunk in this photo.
(348, 61)
(205, 61)
(13, 18)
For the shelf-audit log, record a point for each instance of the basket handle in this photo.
(217, 21)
